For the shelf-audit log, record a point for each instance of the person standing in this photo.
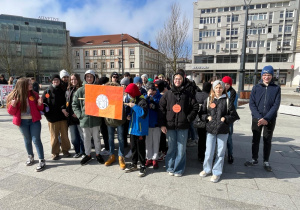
(3, 81)
(264, 103)
(177, 109)
(25, 106)
(145, 80)
(64, 76)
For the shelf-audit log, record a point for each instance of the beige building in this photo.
(104, 55)
(218, 29)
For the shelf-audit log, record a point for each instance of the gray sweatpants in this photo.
(87, 135)
(152, 143)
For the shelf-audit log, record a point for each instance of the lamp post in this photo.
(242, 62)
(36, 40)
(119, 61)
(122, 55)
(257, 50)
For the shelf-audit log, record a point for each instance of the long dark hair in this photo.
(79, 82)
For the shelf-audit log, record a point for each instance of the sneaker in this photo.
(155, 164)
(55, 157)
(203, 174)
(122, 162)
(100, 159)
(129, 154)
(77, 155)
(230, 159)
(104, 152)
(267, 167)
(85, 160)
(251, 163)
(131, 167)
(30, 160)
(40, 166)
(66, 154)
(161, 157)
(214, 178)
(178, 175)
(149, 163)
(142, 172)
(171, 173)
(191, 143)
(110, 160)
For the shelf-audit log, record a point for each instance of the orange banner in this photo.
(104, 101)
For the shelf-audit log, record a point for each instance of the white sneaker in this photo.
(41, 165)
(30, 160)
(129, 154)
(104, 152)
(214, 178)
(203, 174)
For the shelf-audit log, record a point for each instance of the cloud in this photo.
(139, 18)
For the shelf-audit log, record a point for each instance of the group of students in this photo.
(153, 112)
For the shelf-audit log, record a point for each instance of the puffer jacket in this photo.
(216, 126)
(188, 112)
(86, 121)
(265, 101)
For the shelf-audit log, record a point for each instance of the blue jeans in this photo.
(111, 137)
(76, 137)
(176, 155)
(32, 133)
(211, 140)
(229, 140)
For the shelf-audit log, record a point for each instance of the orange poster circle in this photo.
(176, 108)
(212, 105)
(47, 95)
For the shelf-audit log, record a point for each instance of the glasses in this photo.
(116, 77)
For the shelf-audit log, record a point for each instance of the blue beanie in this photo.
(137, 79)
(267, 70)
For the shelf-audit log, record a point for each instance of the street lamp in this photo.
(257, 50)
(36, 40)
(122, 55)
(119, 61)
(242, 63)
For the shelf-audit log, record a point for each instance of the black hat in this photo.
(206, 87)
(160, 84)
(127, 74)
(103, 80)
(55, 76)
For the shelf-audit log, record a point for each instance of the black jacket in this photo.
(232, 95)
(68, 106)
(56, 102)
(216, 126)
(189, 108)
(191, 86)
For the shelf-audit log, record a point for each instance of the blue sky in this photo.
(139, 18)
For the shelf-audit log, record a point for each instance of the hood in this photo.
(132, 90)
(90, 72)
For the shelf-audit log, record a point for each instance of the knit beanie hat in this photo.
(132, 90)
(160, 84)
(206, 87)
(137, 79)
(150, 80)
(227, 79)
(218, 82)
(267, 70)
(125, 81)
(145, 75)
(63, 73)
(55, 76)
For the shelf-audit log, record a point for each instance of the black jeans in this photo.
(125, 133)
(138, 148)
(104, 132)
(201, 143)
(163, 143)
(267, 138)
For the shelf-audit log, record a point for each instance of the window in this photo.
(206, 34)
(280, 4)
(288, 14)
(16, 27)
(95, 52)
(253, 44)
(219, 19)
(287, 42)
(207, 20)
(268, 46)
(112, 52)
(102, 52)
(206, 46)
(277, 57)
(131, 52)
(87, 65)
(219, 32)
(233, 18)
(254, 31)
(38, 29)
(76, 53)
(103, 65)
(95, 65)
(131, 65)
(287, 28)
(251, 58)
(220, 9)
(269, 29)
(234, 31)
(112, 65)
(204, 59)
(86, 53)
(78, 65)
(226, 9)
(257, 16)
(271, 17)
(227, 58)
(233, 45)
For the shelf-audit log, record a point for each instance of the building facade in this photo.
(37, 46)
(104, 55)
(218, 29)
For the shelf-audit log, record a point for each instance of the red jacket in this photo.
(34, 110)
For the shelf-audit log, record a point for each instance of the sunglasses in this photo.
(115, 77)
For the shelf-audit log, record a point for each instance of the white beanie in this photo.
(145, 75)
(63, 73)
(215, 83)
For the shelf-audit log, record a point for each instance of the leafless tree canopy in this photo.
(172, 39)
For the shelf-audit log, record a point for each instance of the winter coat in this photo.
(216, 126)
(153, 102)
(233, 99)
(188, 112)
(34, 110)
(68, 106)
(56, 101)
(265, 101)
(78, 106)
(191, 86)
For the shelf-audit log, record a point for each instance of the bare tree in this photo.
(66, 61)
(172, 38)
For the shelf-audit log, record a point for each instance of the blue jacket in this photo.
(153, 109)
(139, 122)
(265, 101)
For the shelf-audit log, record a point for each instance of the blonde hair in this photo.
(212, 94)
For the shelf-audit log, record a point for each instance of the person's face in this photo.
(267, 78)
(114, 78)
(65, 79)
(145, 80)
(29, 85)
(139, 85)
(178, 79)
(161, 78)
(89, 78)
(56, 81)
(218, 90)
(151, 92)
(74, 81)
(227, 86)
(1, 78)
